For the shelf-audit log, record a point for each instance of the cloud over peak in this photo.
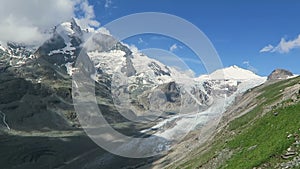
(87, 19)
(284, 46)
(27, 21)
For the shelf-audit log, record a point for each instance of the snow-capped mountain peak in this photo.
(231, 73)
(66, 39)
(2, 47)
(70, 28)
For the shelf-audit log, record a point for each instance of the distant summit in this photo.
(232, 72)
(280, 74)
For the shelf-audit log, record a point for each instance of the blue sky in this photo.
(239, 30)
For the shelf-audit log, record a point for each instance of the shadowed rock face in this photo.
(158, 71)
(279, 74)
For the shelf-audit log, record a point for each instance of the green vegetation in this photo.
(258, 138)
(268, 134)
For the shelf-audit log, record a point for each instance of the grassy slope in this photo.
(265, 133)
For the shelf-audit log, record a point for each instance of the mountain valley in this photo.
(217, 120)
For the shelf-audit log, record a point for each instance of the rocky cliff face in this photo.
(280, 74)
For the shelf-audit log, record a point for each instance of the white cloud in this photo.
(87, 20)
(173, 47)
(284, 46)
(103, 31)
(132, 47)
(250, 67)
(140, 41)
(27, 21)
(188, 72)
(267, 49)
(108, 3)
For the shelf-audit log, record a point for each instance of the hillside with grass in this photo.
(261, 130)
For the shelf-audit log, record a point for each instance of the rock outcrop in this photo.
(279, 74)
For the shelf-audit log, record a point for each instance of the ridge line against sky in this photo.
(256, 35)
